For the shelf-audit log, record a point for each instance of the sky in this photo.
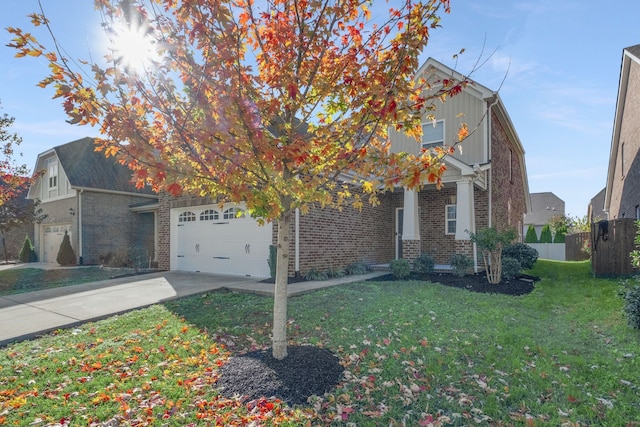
(555, 63)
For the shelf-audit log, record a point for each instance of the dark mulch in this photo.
(306, 371)
(521, 285)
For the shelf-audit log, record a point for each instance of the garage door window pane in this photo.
(187, 217)
(209, 215)
(233, 213)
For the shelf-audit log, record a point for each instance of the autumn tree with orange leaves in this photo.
(13, 176)
(270, 103)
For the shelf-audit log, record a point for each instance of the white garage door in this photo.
(218, 240)
(52, 239)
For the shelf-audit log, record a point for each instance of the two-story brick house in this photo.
(92, 199)
(622, 194)
(485, 185)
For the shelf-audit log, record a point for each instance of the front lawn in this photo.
(414, 353)
(19, 280)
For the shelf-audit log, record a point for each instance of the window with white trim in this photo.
(433, 134)
(52, 173)
(187, 217)
(233, 213)
(209, 215)
(450, 219)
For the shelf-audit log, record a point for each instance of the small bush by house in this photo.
(400, 268)
(424, 264)
(461, 264)
(66, 255)
(525, 254)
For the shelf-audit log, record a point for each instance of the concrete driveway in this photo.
(24, 316)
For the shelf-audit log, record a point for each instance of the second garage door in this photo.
(218, 240)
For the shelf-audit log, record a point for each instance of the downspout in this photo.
(493, 101)
(297, 242)
(490, 130)
(80, 254)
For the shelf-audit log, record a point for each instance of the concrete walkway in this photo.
(27, 315)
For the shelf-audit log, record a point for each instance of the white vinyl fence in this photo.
(554, 251)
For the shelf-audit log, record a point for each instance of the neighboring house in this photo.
(485, 185)
(622, 196)
(90, 197)
(595, 210)
(544, 206)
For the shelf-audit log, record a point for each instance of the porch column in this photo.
(410, 226)
(464, 209)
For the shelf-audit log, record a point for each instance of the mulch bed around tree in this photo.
(306, 371)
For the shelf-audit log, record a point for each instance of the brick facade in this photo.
(336, 238)
(625, 180)
(108, 225)
(508, 204)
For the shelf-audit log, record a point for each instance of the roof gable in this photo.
(86, 168)
(544, 206)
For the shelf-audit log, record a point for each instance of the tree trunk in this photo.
(4, 246)
(280, 295)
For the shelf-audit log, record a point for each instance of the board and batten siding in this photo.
(472, 111)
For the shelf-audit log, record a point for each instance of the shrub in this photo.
(273, 260)
(511, 268)
(631, 308)
(559, 237)
(523, 253)
(635, 254)
(66, 255)
(532, 236)
(424, 264)
(27, 254)
(315, 274)
(356, 268)
(336, 272)
(461, 264)
(400, 268)
(491, 242)
(545, 234)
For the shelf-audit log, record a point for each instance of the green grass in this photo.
(19, 280)
(415, 354)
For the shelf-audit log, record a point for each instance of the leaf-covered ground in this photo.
(411, 353)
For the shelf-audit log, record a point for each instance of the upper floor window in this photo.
(233, 213)
(209, 215)
(450, 219)
(433, 134)
(52, 173)
(187, 217)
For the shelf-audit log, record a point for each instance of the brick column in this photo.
(410, 226)
(410, 250)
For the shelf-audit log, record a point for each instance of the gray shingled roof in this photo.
(634, 50)
(87, 168)
(544, 206)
